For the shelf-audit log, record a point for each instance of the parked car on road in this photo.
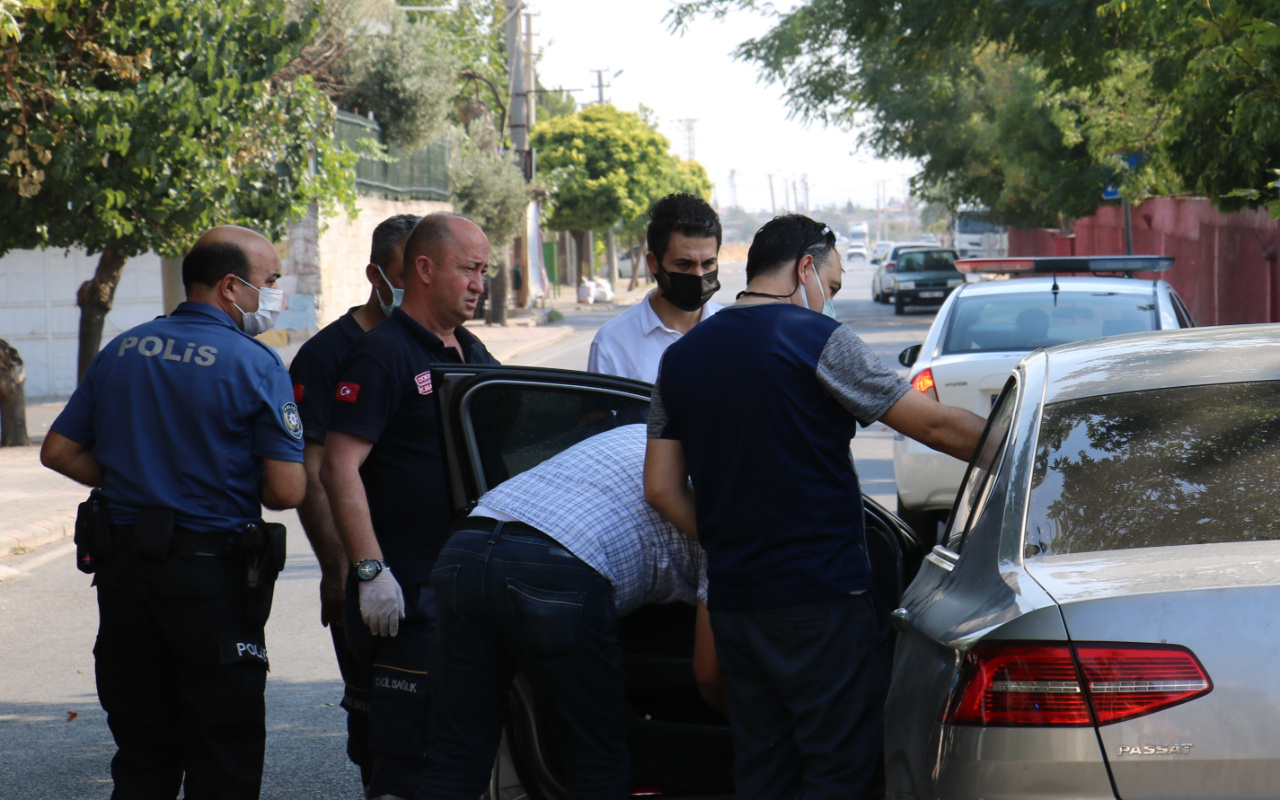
(500, 421)
(885, 255)
(1096, 621)
(984, 328)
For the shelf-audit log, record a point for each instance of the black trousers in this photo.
(805, 686)
(181, 667)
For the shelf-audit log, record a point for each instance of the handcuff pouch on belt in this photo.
(93, 533)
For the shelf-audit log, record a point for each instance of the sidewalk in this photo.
(38, 506)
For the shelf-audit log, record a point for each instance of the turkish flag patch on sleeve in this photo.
(347, 392)
(298, 391)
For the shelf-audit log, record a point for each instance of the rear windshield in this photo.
(926, 261)
(1026, 321)
(1192, 465)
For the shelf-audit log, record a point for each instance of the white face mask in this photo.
(828, 308)
(270, 304)
(397, 295)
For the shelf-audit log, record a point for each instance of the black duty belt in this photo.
(185, 542)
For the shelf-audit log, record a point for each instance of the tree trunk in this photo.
(497, 312)
(637, 252)
(95, 298)
(611, 258)
(13, 398)
(581, 247)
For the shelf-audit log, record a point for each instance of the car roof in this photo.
(1066, 283)
(1161, 359)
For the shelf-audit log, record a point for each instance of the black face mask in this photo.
(690, 292)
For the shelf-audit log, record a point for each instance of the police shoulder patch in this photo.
(292, 422)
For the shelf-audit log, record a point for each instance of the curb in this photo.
(62, 526)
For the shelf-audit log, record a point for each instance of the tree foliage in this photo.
(137, 125)
(487, 189)
(406, 77)
(602, 166)
(1030, 107)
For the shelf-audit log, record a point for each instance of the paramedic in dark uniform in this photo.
(188, 427)
(314, 372)
(386, 480)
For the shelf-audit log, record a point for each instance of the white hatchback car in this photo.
(984, 329)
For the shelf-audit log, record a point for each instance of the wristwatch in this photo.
(369, 569)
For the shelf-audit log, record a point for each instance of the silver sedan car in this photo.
(1097, 621)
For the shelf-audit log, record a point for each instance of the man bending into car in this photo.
(757, 405)
(536, 580)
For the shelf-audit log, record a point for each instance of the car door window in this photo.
(514, 426)
(976, 489)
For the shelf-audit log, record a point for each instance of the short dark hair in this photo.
(680, 213)
(784, 240)
(429, 234)
(206, 264)
(390, 233)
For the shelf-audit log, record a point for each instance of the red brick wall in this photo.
(1225, 264)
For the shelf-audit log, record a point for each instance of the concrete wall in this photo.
(39, 316)
(1225, 265)
(324, 273)
(322, 276)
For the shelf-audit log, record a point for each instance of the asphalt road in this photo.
(54, 741)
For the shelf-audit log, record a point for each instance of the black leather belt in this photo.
(488, 525)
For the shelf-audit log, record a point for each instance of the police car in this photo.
(499, 421)
(983, 330)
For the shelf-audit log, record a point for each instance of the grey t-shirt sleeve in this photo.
(856, 377)
(658, 419)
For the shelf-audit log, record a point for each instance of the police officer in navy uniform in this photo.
(386, 480)
(314, 372)
(187, 425)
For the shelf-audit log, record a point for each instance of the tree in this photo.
(485, 187)
(601, 165)
(406, 77)
(1151, 97)
(134, 126)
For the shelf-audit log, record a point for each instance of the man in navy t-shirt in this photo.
(387, 483)
(314, 373)
(757, 406)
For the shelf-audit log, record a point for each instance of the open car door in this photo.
(500, 421)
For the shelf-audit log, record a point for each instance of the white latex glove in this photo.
(382, 604)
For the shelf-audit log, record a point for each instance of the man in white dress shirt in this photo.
(684, 245)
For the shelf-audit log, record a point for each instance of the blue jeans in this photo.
(805, 687)
(511, 598)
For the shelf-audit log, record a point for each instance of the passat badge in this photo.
(292, 422)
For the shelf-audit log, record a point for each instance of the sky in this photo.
(741, 122)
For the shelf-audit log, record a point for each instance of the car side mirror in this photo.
(909, 356)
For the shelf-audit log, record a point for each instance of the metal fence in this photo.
(420, 175)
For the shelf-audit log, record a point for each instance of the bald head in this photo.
(226, 250)
(445, 261)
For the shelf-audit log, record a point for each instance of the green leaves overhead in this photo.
(1030, 107)
(605, 166)
(141, 124)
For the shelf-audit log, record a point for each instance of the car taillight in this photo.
(924, 383)
(1016, 683)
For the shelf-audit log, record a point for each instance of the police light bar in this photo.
(1065, 264)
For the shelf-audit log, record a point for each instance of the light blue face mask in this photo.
(828, 307)
(397, 295)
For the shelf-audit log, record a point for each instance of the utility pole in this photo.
(733, 188)
(773, 206)
(688, 136)
(518, 127)
(804, 180)
(600, 84)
